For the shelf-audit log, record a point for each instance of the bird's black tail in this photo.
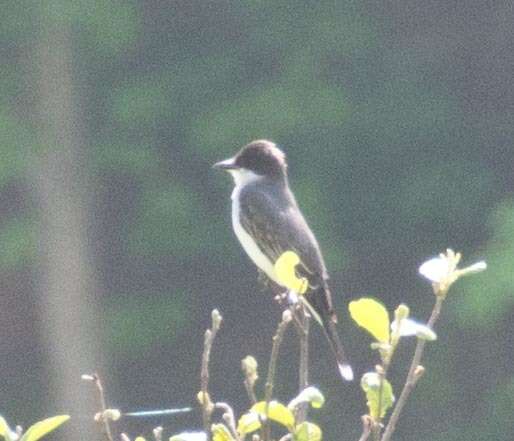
(319, 299)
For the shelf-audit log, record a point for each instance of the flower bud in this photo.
(216, 319)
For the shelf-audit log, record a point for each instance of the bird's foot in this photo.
(288, 298)
(282, 298)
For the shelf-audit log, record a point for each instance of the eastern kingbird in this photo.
(268, 222)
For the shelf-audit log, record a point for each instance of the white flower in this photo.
(409, 327)
(189, 436)
(442, 271)
(475, 268)
(436, 269)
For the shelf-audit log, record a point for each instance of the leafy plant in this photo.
(268, 417)
(34, 432)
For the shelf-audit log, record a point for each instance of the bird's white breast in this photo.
(242, 178)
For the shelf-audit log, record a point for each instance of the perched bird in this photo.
(268, 222)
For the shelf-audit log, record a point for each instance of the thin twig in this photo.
(303, 375)
(103, 406)
(250, 391)
(207, 406)
(157, 433)
(415, 373)
(304, 352)
(366, 427)
(277, 340)
(376, 426)
(249, 367)
(268, 392)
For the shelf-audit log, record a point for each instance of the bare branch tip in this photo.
(216, 319)
(419, 371)
(157, 433)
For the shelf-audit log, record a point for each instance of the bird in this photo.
(268, 222)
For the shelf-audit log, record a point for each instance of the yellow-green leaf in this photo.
(377, 404)
(139, 438)
(307, 432)
(276, 412)
(248, 423)
(310, 395)
(372, 316)
(221, 433)
(5, 431)
(286, 274)
(41, 428)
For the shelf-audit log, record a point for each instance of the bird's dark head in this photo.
(261, 157)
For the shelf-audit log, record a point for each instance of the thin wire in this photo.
(161, 412)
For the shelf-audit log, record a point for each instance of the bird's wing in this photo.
(278, 226)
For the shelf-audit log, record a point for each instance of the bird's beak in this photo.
(227, 164)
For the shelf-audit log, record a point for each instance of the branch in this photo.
(157, 433)
(277, 340)
(205, 401)
(304, 351)
(302, 326)
(103, 415)
(415, 373)
(249, 367)
(376, 426)
(367, 423)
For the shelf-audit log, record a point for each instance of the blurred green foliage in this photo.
(144, 322)
(398, 128)
(17, 242)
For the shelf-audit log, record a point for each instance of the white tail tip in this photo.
(346, 372)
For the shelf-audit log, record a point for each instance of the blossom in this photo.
(189, 436)
(442, 271)
(409, 327)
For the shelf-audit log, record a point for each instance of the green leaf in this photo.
(276, 412)
(372, 316)
(248, 423)
(370, 384)
(5, 431)
(310, 395)
(221, 433)
(307, 432)
(41, 428)
(140, 438)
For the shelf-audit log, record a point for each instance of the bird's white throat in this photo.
(243, 176)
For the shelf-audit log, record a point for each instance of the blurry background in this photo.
(115, 237)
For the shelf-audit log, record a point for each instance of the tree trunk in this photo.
(66, 288)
